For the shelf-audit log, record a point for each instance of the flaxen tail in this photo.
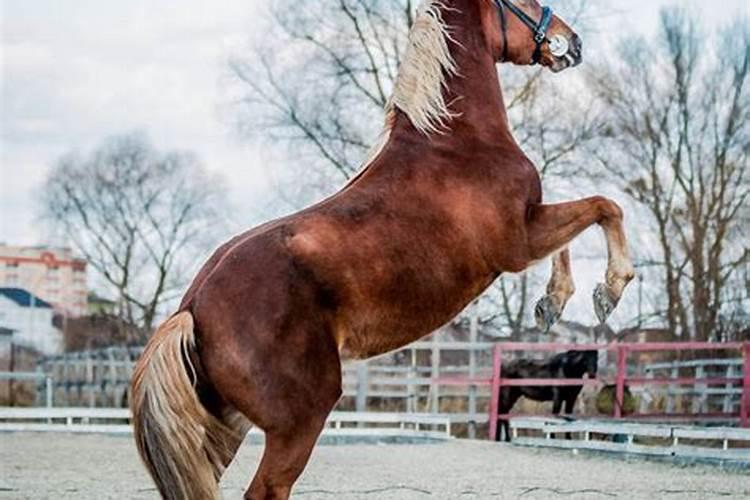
(183, 446)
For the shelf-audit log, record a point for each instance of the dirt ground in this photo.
(96, 467)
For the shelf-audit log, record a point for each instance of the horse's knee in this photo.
(608, 209)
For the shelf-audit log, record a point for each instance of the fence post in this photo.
(672, 388)
(434, 374)
(646, 397)
(497, 364)
(362, 386)
(90, 378)
(412, 390)
(727, 405)
(40, 384)
(48, 385)
(622, 353)
(473, 335)
(66, 374)
(701, 397)
(111, 384)
(745, 404)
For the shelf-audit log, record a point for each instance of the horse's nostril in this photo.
(577, 43)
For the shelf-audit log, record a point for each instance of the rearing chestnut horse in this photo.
(445, 204)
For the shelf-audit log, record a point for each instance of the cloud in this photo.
(75, 72)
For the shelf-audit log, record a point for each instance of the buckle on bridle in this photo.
(539, 29)
(543, 26)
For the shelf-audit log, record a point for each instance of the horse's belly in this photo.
(380, 323)
(368, 341)
(372, 333)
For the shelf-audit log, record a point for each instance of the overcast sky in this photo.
(76, 71)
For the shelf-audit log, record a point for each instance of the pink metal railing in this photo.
(621, 378)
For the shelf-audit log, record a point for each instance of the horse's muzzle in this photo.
(576, 50)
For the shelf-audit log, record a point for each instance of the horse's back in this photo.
(525, 368)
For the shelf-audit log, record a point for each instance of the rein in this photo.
(558, 46)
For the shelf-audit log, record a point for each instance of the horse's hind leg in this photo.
(552, 227)
(287, 451)
(559, 290)
(286, 386)
(240, 425)
(234, 421)
(291, 409)
(508, 398)
(570, 402)
(287, 390)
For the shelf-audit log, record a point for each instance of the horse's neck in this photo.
(475, 91)
(573, 370)
(474, 94)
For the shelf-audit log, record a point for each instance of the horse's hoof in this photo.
(604, 303)
(546, 313)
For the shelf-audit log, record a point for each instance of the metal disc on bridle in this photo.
(558, 46)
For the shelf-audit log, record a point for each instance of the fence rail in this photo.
(116, 421)
(723, 443)
(729, 394)
(100, 378)
(453, 377)
(44, 382)
(622, 378)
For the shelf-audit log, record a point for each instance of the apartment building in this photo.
(53, 274)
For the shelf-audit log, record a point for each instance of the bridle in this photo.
(558, 46)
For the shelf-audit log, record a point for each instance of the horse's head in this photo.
(583, 362)
(526, 33)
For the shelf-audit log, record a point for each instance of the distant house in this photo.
(31, 319)
(98, 305)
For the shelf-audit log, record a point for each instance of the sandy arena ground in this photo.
(100, 467)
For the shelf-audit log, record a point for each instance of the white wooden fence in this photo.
(100, 378)
(116, 421)
(403, 381)
(724, 443)
(94, 378)
(43, 381)
(702, 398)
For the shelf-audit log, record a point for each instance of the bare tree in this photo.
(319, 80)
(679, 116)
(323, 80)
(322, 74)
(137, 215)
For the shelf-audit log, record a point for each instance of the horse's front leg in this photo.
(570, 402)
(556, 400)
(559, 290)
(552, 227)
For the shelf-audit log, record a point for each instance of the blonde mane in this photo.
(418, 90)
